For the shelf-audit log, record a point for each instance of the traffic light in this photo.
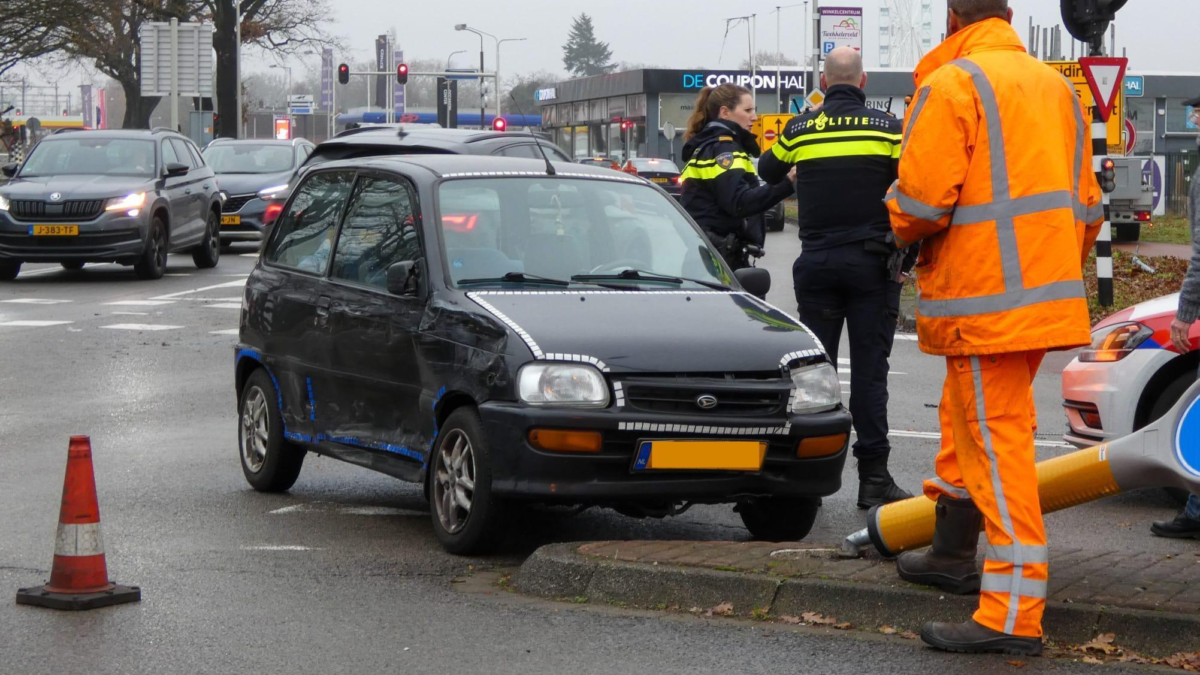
(1087, 20)
(626, 125)
(499, 124)
(343, 74)
(1108, 175)
(216, 125)
(402, 73)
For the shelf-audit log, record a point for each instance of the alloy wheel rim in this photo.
(160, 251)
(254, 430)
(214, 237)
(454, 481)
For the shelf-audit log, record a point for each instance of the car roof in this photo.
(483, 166)
(431, 138)
(257, 141)
(144, 134)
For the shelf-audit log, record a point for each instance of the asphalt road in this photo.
(343, 573)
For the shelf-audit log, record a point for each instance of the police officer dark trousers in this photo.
(720, 184)
(846, 156)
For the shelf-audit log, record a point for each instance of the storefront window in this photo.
(1140, 111)
(597, 110)
(1177, 116)
(563, 113)
(676, 109)
(616, 107)
(637, 106)
(562, 138)
(547, 116)
(637, 144)
(581, 142)
(599, 140)
(580, 112)
(614, 142)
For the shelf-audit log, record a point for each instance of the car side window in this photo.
(181, 151)
(168, 153)
(525, 150)
(303, 238)
(197, 158)
(379, 231)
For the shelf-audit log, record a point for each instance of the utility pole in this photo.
(816, 50)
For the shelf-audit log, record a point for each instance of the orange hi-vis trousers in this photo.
(988, 421)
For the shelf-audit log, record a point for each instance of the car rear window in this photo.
(249, 158)
(654, 164)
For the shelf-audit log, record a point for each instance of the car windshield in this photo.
(546, 229)
(652, 164)
(249, 158)
(90, 157)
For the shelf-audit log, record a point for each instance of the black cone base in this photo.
(40, 597)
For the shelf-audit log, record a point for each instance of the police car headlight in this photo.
(565, 384)
(817, 389)
(1113, 343)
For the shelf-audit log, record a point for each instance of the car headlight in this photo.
(1113, 343)
(3, 203)
(817, 389)
(126, 203)
(271, 192)
(565, 384)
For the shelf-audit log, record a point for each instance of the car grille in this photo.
(746, 398)
(235, 204)
(79, 209)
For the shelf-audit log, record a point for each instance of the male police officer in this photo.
(845, 156)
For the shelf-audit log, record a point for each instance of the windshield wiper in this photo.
(517, 277)
(641, 275)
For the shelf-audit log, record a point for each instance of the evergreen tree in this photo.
(584, 55)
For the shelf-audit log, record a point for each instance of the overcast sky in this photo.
(1159, 34)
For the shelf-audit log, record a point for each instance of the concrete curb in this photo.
(559, 571)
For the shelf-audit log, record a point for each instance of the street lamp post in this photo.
(463, 26)
(287, 97)
(779, 56)
(499, 97)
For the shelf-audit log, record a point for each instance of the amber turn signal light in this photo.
(821, 446)
(562, 440)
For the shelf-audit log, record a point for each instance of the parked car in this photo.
(1130, 376)
(482, 327)
(128, 197)
(249, 174)
(605, 162)
(661, 172)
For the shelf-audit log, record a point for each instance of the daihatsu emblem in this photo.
(706, 401)
(55, 196)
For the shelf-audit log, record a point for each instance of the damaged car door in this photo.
(377, 381)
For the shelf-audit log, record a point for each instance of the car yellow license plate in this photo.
(231, 220)
(660, 180)
(700, 455)
(54, 230)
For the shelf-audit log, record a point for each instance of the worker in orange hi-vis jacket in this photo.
(997, 184)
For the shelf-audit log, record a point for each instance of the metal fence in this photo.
(1181, 168)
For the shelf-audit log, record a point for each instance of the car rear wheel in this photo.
(72, 265)
(269, 462)
(153, 263)
(467, 517)
(208, 253)
(779, 519)
(1166, 400)
(9, 270)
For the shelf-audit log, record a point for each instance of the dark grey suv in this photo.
(249, 173)
(128, 197)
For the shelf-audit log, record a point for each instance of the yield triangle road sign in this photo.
(1105, 75)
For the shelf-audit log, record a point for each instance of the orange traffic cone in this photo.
(79, 578)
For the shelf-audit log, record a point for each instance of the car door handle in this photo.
(323, 303)
(187, 191)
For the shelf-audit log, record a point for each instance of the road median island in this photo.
(1148, 603)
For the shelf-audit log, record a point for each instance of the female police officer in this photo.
(720, 186)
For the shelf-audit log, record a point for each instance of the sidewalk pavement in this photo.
(1150, 602)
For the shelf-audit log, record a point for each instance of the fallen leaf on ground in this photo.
(909, 635)
(1016, 664)
(1189, 661)
(695, 610)
(845, 625)
(1091, 659)
(887, 630)
(817, 619)
(794, 620)
(723, 609)
(1103, 643)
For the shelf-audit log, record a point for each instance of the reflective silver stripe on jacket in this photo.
(1030, 555)
(1003, 583)
(1003, 211)
(956, 492)
(915, 207)
(922, 97)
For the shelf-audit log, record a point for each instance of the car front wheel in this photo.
(153, 263)
(269, 462)
(779, 519)
(467, 517)
(208, 253)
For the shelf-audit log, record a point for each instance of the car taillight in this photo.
(1113, 343)
(676, 180)
(1143, 216)
(272, 212)
(459, 223)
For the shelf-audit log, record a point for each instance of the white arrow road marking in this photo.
(279, 547)
(341, 509)
(34, 324)
(36, 301)
(228, 331)
(140, 303)
(228, 284)
(225, 305)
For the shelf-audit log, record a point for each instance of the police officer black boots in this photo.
(876, 486)
(949, 564)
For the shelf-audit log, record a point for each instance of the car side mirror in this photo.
(404, 278)
(176, 169)
(10, 170)
(755, 280)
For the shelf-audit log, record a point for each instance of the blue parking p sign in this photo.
(1135, 85)
(828, 47)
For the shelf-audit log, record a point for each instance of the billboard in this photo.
(380, 94)
(327, 78)
(841, 27)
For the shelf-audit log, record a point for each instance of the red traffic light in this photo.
(1108, 164)
(499, 124)
(402, 73)
(343, 74)
(626, 124)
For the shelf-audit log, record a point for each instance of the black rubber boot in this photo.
(972, 638)
(949, 564)
(875, 485)
(1181, 527)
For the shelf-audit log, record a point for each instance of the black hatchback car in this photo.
(504, 332)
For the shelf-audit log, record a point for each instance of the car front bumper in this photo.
(250, 226)
(1112, 390)
(524, 472)
(106, 238)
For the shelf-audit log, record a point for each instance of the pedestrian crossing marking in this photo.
(140, 326)
(228, 331)
(34, 324)
(139, 303)
(225, 305)
(35, 301)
